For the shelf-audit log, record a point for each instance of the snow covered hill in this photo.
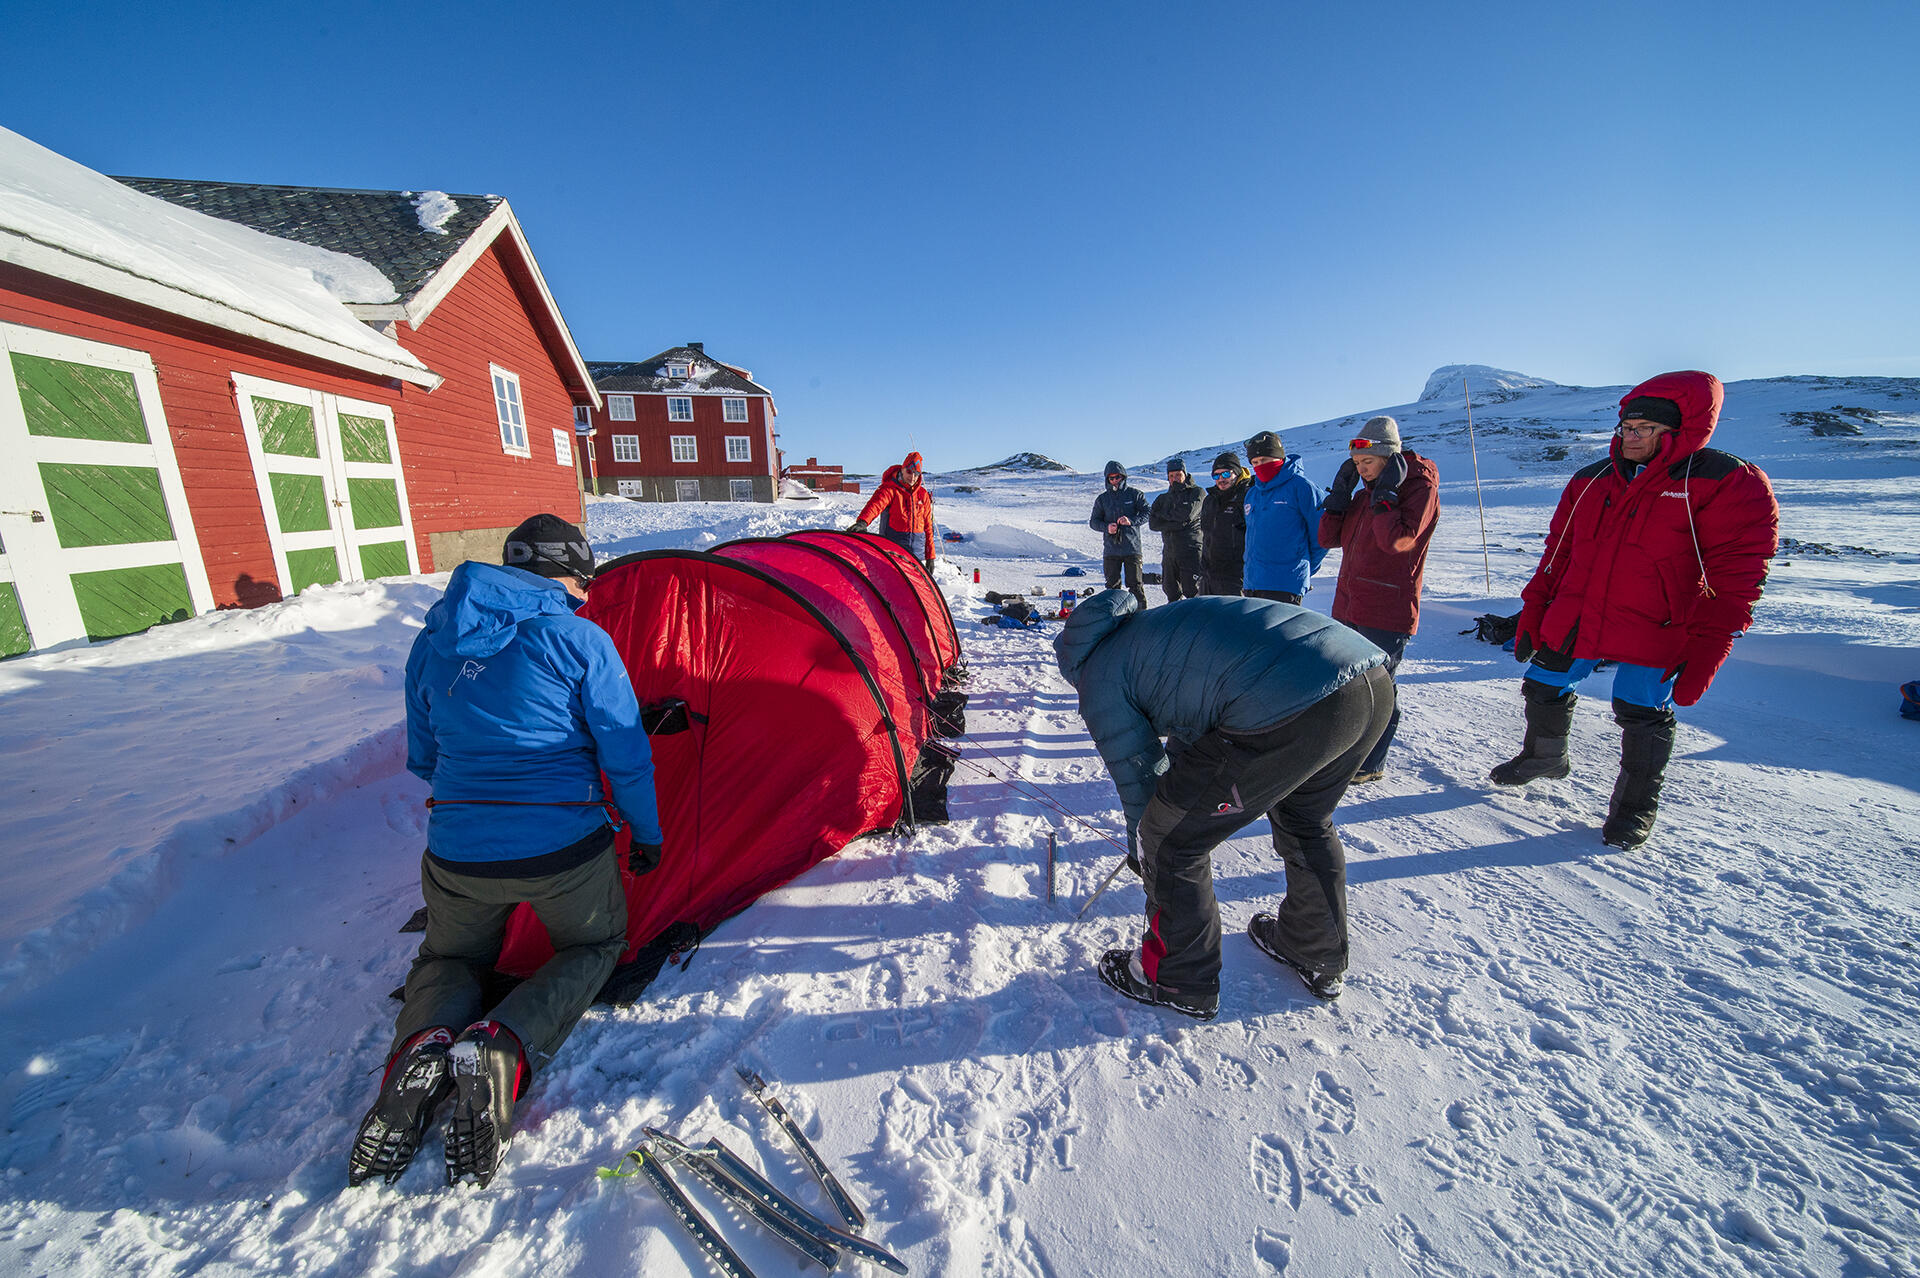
(1551, 1058)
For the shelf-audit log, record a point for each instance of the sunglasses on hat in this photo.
(1357, 444)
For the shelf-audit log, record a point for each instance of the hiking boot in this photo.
(1121, 970)
(1374, 774)
(1543, 752)
(1264, 931)
(1646, 743)
(488, 1068)
(416, 1082)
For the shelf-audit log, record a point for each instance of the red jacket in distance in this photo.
(1383, 551)
(909, 512)
(1661, 566)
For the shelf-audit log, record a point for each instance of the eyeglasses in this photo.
(1223, 474)
(1643, 429)
(1357, 444)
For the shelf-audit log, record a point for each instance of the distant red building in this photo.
(824, 479)
(682, 426)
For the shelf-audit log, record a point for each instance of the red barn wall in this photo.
(656, 449)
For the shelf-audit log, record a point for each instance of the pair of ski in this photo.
(734, 1178)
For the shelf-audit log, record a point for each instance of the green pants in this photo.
(585, 913)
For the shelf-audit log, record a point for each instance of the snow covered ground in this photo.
(1550, 1058)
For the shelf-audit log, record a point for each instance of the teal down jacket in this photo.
(1213, 664)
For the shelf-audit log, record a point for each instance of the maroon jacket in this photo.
(1661, 567)
(1383, 551)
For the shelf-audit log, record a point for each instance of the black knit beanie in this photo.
(550, 546)
(1652, 408)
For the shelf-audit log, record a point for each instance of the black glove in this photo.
(1522, 646)
(643, 858)
(1340, 496)
(858, 525)
(1386, 485)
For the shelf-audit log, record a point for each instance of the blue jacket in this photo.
(1283, 531)
(511, 696)
(1212, 664)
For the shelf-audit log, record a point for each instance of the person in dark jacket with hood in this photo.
(904, 508)
(1382, 532)
(1223, 527)
(1175, 515)
(1118, 512)
(1654, 560)
(1266, 709)
(516, 708)
(1282, 517)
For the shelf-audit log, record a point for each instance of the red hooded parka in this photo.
(909, 510)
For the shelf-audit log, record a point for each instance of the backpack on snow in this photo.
(1490, 628)
(1910, 700)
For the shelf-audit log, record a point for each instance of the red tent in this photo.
(793, 689)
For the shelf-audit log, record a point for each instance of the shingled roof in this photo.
(707, 375)
(383, 228)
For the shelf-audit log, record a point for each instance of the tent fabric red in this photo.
(789, 679)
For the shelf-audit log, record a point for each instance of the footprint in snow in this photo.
(1275, 1170)
(1332, 1103)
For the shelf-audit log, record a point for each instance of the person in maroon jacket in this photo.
(1654, 560)
(1382, 532)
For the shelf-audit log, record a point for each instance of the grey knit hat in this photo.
(1380, 437)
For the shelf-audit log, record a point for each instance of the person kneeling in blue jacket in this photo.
(1267, 708)
(515, 707)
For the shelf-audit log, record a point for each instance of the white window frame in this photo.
(620, 408)
(563, 446)
(625, 444)
(680, 487)
(692, 443)
(681, 371)
(510, 408)
(746, 448)
(740, 490)
(728, 408)
(673, 410)
(631, 487)
(582, 420)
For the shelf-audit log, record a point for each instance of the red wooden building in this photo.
(682, 426)
(822, 479)
(193, 417)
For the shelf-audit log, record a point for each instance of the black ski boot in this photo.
(1264, 931)
(1646, 743)
(488, 1070)
(1116, 968)
(1543, 752)
(417, 1080)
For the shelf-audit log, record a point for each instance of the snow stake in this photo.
(1050, 855)
(1486, 562)
(841, 1199)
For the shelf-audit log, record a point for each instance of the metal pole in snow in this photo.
(1486, 560)
(1050, 853)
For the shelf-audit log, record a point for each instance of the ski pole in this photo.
(1486, 561)
(1050, 857)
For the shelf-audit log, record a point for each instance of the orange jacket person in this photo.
(907, 508)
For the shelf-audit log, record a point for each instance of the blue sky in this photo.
(1091, 230)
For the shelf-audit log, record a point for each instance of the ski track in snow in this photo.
(1550, 1059)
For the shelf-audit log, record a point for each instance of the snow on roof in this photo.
(434, 208)
(60, 218)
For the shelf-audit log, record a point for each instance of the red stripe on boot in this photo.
(1152, 950)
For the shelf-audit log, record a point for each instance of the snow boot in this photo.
(1121, 970)
(1543, 752)
(416, 1082)
(488, 1068)
(1264, 931)
(1646, 743)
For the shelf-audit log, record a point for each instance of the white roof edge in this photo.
(436, 289)
(74, 268)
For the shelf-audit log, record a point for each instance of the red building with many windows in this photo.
(681, 426)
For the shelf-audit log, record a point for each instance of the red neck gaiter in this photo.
(1267, 470)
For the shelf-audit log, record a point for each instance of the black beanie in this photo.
(1266, 444)
(550, 546)
(1652, 408)
(1228, 460)
(1176, 463)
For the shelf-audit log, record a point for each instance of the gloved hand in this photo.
(929, 564)
(858, 525)
(1386, 485)
(1699, 661)
(1526, 632)
(643, 858)
(1522, 646)
(1340, 496)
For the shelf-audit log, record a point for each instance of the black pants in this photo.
(1295, 773)
(1131, 563)
(1394, 644)
(1219, 582)
(1280, 596)
(1180, 571)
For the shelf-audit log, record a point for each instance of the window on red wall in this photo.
(739, 448)
(733, 410)
(513, 419)
(679, 408)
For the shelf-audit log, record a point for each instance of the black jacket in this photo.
(1223, 520)
(1176, 516)
(1107, 509)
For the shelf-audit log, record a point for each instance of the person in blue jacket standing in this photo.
(515, 710)
(1119, 513)
(1266, 709)
(1283, 523)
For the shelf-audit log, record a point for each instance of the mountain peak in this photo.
(1481, 379)
(1024, 461)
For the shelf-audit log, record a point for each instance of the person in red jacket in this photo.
(1382, 532)
(907, 508)
(1654, 560)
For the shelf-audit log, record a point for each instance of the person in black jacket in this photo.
(1176, 517)
(1118, 512)
(1223, 527)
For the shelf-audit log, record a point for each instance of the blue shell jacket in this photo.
(1213, 664)
(1283, 531)
(511, 696)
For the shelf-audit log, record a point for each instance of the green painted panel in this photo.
(388, 559)
(105, 505)
(311, 568)
(376, 503)
(79, 401)
(363, 439)
(300, 501)
(14, 638)
(124, 600)
(286, 429)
